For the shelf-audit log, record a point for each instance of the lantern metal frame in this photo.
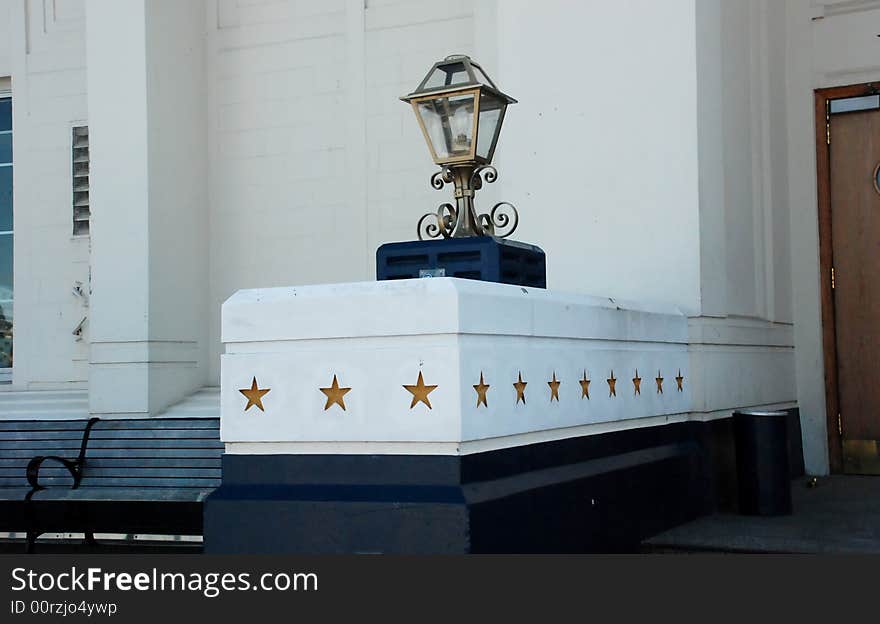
(475, 127)
(466, 172)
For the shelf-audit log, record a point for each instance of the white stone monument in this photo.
(403, 416)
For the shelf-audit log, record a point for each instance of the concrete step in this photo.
(72, 404)
(204, 403)
(44, 404)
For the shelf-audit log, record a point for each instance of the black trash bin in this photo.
(762, 466)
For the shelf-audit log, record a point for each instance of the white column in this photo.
(146, 90)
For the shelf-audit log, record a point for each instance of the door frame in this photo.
(823, 98)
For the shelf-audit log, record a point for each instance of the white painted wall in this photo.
(601, 153)
(316, 162)
(743, 339)
(653, 164)
(6, 34)
(311, 149)
(744, 210)
(42, 48)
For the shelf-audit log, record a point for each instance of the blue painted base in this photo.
(601, 493)
(482, 258)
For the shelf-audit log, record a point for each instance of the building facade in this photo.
(158, 156)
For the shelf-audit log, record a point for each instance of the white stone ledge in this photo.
(440, 306)
(376, 337)
(739, 331)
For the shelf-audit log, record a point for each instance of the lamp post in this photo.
(460, 111)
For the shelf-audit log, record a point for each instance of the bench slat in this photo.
(41, 446)
(154, 434)
(23, 482)
(118, 434)
(154, 462)
(42, 425)
(20, 472)
(37, 436)
(8, 462)
(15, 493)
(8, 427)
(150, 444)
(153, 423)
(110, 453)
(104, 444)
(134, 462)
(26, 454)
(126, 472)
(170, 482)
(130, 423)
(127, 494)
(133, 482)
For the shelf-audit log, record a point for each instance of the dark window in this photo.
(6, 238)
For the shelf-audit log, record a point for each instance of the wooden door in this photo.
(854, 166)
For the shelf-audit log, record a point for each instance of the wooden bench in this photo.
(136, 476)
(21, 441)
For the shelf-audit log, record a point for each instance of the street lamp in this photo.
(460, 111)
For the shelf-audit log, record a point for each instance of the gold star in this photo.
(254, 395)
(680, 381)
(420, 392)
(659, 381)
(637, 383)
(520, 390)
(612, 385)
(335, 395)
(554, 388)
(585, 387)
(482, 388)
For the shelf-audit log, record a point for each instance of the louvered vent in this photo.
(81, 212)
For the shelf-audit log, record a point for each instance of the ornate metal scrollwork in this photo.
(443, 223)
(498, 222)
(441, 178)
(462, 219)
(484, 173)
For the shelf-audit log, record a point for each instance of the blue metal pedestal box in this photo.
(482, 258)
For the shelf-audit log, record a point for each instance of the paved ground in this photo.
(64, 547)
(840, 515)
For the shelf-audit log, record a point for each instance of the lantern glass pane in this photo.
(491, 113)
(448, 75)
(449, 123)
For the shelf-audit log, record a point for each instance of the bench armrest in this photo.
(75, 466)
(33, 470)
